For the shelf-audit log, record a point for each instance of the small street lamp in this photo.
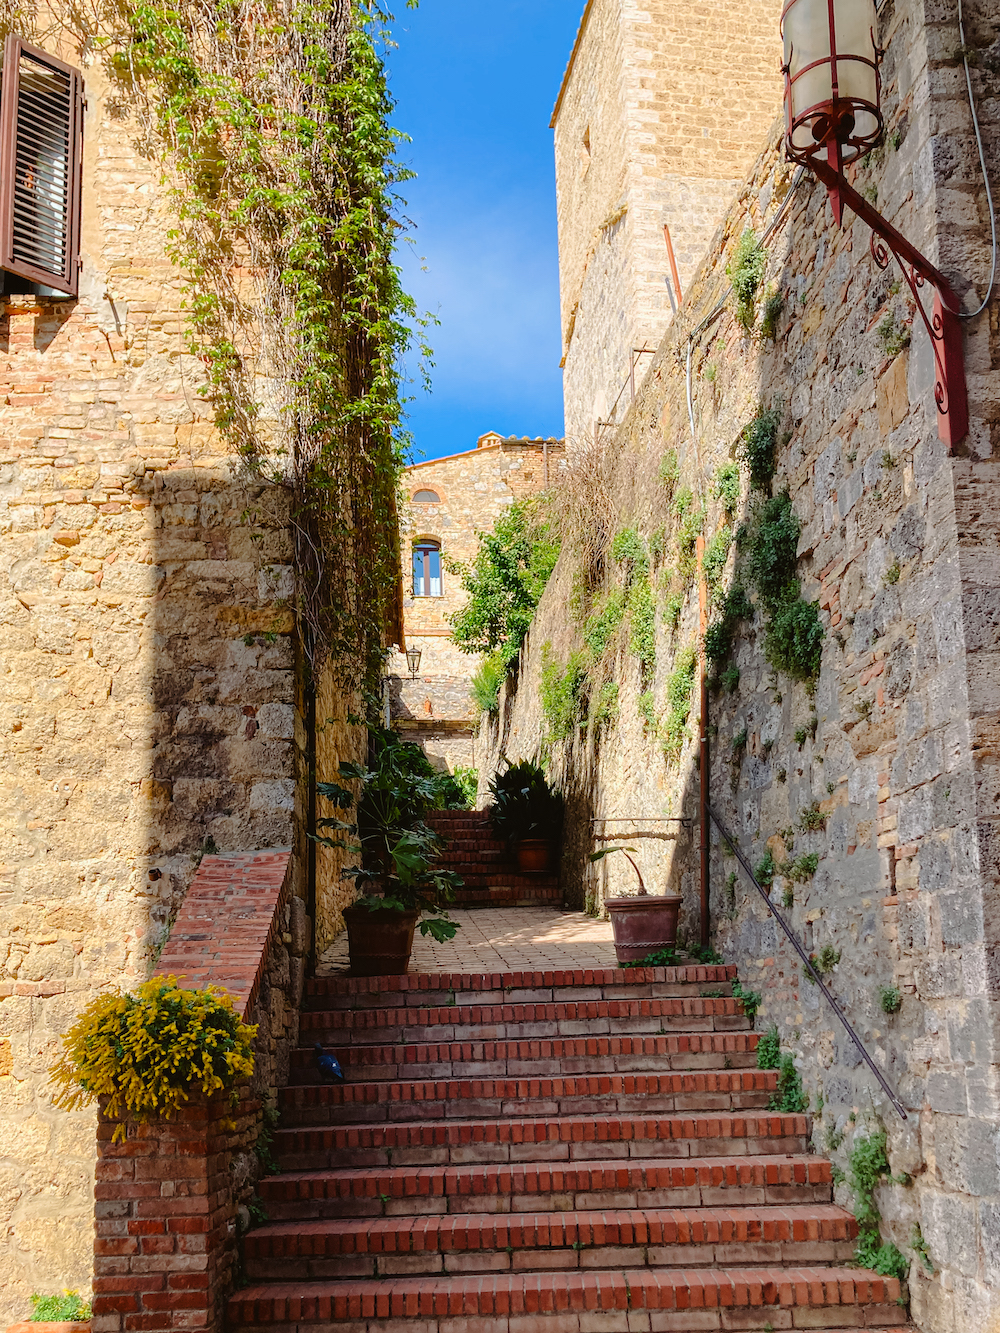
(413, 661)
(833, 113)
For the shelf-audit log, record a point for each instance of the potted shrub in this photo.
(527, 814)
(643, 923)
(398, 875)
(67, 1313)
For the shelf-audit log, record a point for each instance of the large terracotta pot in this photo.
(50, 1326)
(534, 856)
(380, 942)
(643, 924)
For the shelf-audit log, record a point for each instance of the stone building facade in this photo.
(661, 112)
(448, 503)
(152, 702)
(887, 774)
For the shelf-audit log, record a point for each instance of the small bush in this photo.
(802, 868)
(751, 1000)
(811, 818)
(486, 682)
(642, 626)
(629, 550)
(602, 623)
(149, 1050)
(890, 999)
(683, 502)
(793, 640)
(823, 962)
(562, 694)
(774, 303)
(467, 782)
(727, 486)
(766, 869)
(769, 1049)
(713, 561)
(669, 469)
(69, 1307)
(673, 605)
(746, 272)
(758, 446)
(789, 1096)
(770, 544)
(719, 641)
(673, 730)
(605, 709)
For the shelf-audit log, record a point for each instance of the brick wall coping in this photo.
(224, 929)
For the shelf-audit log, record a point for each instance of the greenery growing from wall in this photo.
(727, 486)
(642, 627)
(774, 304)
(758, 445)
(273, 127)
(673, 728)
(603, 622)
(746, 272)
(713, 562)
(562, 694)
(868, 1167)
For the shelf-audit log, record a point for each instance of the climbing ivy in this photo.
(272, 125)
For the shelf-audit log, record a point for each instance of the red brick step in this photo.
(561, 1186)
(441, 1300)
(613, 1238)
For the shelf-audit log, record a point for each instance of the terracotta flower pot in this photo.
(643, 924)
(534, 856)
(380, 942)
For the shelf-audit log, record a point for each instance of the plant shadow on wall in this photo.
(607, 687)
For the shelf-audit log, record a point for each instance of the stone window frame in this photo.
(49, 118)
(427, 490)
(429, 545)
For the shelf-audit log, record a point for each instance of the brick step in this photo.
(541, 1174)
(536, 1242)
(680, 1051)
(429, 989)
(573, 1095)
(564, 1018)
(463, 842)
(706, 1299)
(502, 895)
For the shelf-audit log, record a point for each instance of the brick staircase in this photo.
(561, 1152)
(490, 874)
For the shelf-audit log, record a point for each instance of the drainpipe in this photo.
(673, 264)
(703, 748)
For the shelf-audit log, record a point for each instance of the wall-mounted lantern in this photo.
(833, 112)
(413, 661)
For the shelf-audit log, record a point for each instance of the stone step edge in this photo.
(668, 1083)
(536, 1293)
(601, 1227)
(528, 1011)
(478, 981)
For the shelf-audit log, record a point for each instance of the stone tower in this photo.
(662, 109)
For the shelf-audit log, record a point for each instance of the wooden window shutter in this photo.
(41, 161)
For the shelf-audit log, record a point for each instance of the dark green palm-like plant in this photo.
(524, 804)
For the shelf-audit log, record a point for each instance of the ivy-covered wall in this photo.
(853, 630)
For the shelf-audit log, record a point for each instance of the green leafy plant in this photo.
(705, 953)
(525, 805)
(642, 626)
(788, 896)
(769, 1049)
(774, 304)
(399, 851)
(766, 869)
(920, 1247)
(627, 853)
(823, 963)
(890, 999)
(680, 684)
(789, 1096)
(746, 272)
(562, 695)
(504, 582)
(713, 561)
(730, 678)
(868, 1166)
(802, 868)
(460, 788)
(801, 736)
(770, 542)
(669, 469)
(630, 552)
(727, 486)
(811, 818)
(672, 607)
(793, 639)
(892, 574)
(646, 706)
(751, 1000)
(605, 709)
(731, 893)
(758, 445)
(666, 957)
(486, 682)
(740, 741)
(603, 622)
(147, 1051)
(893, 336)
(688, 532)
(67, 1308)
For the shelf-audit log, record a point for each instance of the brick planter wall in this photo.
(170, 1201)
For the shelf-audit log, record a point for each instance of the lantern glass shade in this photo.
(413, 660)
(832, 80)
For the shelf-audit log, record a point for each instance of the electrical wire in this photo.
(982, 164)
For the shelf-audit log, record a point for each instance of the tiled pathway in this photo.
(504, 939)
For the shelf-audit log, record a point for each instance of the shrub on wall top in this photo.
(148, 1051)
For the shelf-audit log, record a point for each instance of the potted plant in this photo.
(526, 814)
(644, 922)
(398, 875)
(67, 1313)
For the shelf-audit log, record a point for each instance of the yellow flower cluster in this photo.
(147, 1050)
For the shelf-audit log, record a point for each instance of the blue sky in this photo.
(475, 84)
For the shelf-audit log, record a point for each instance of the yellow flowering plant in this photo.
(147, 1050)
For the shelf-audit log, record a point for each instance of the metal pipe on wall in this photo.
(703, 754)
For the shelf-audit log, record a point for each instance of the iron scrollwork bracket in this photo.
(943, 325)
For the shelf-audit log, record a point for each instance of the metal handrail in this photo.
(808, 963)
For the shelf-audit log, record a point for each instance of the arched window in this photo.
(426, 498)
(427, 569)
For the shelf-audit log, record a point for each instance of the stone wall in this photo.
(892, 760)
(148, 679)
(660, 115)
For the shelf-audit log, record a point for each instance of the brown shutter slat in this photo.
(41, 143)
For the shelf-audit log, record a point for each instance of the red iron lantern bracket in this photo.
(943, 325)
